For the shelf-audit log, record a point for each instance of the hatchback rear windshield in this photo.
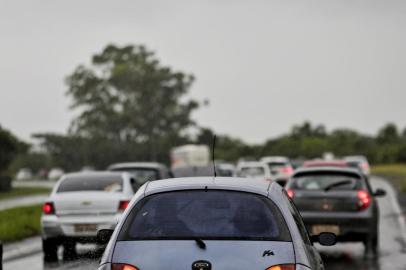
(213, 214)
(99, 183)
(326, 181)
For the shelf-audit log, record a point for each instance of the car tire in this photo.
(371, 244)
(50, 249)
(69, 250)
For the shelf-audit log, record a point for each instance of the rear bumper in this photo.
(352, 226)
(55, 227)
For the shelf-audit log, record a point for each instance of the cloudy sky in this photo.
(264, 65)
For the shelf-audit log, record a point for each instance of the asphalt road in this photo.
(342, 256)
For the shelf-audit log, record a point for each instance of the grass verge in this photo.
(23, 191)
(19, 223)
(396, 173)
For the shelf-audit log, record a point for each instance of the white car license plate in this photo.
(317, 229)
(85, 228)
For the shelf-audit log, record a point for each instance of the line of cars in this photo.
(210, 223)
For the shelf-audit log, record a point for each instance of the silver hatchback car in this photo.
(211, 223)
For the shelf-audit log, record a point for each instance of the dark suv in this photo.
(338, 200)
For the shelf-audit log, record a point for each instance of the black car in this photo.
(338, 200)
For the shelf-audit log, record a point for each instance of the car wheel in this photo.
(50, 249)
(371, 244)
(69, 250)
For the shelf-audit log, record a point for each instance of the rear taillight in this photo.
(48, 208)
(282, 267)
(364, 165)
(122, 266)
(287, 170)
(364, 199)
(123, 205)
(291, 193)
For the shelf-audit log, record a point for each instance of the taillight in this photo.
(365, 165)
(291, 193)
(48, 208)
(364, 199)
(282, 267)
(122, 266)
(123, 205)
(287, 170)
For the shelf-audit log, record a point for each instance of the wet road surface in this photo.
(342, 256)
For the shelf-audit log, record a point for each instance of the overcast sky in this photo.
(264, 65)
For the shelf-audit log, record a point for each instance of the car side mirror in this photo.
(325, 239)
(379, 192)
(103, 236)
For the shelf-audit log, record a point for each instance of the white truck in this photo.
(190, 155)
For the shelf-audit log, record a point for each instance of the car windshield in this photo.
(96, 183)
(277, 164)
(207, 215)
(326, 181)
(251, 171)
(141, 175)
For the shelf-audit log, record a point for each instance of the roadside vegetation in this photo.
(23, 191)
(396, 173)
(19, 223)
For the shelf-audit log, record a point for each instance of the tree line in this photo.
(131, 107)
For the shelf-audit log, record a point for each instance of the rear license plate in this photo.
(85, 227)
(317, 229)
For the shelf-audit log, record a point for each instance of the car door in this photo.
(311, 251)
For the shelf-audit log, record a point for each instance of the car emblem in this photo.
(201, 265)
(268, 253)
(86, 203)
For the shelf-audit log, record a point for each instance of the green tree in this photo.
(10, 146)
(388, 134)
(128, 96)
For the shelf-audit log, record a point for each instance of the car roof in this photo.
(152, 165)
(275, 159)
(251, 164)
(321, 163)
(92, 174)
(260, 186)
(326, 169)
(355, 158)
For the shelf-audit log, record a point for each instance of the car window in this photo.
(142, 175)
(101, 183)
(251, 171)
(209, 214)
(323, 181)
(298, 221)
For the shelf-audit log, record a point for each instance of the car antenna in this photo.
(214, 147)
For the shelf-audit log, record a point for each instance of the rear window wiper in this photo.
(200, 243)
(337, 184)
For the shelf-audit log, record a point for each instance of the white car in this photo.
(81, 204)
(55, 173)
(253, 169)
(24, 174)
(359, 162)
(280, 168)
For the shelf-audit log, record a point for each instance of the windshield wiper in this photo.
(200, 243)
(337, 184)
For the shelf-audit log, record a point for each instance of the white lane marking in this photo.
(392, 195)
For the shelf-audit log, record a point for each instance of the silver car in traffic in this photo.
(209, 223)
